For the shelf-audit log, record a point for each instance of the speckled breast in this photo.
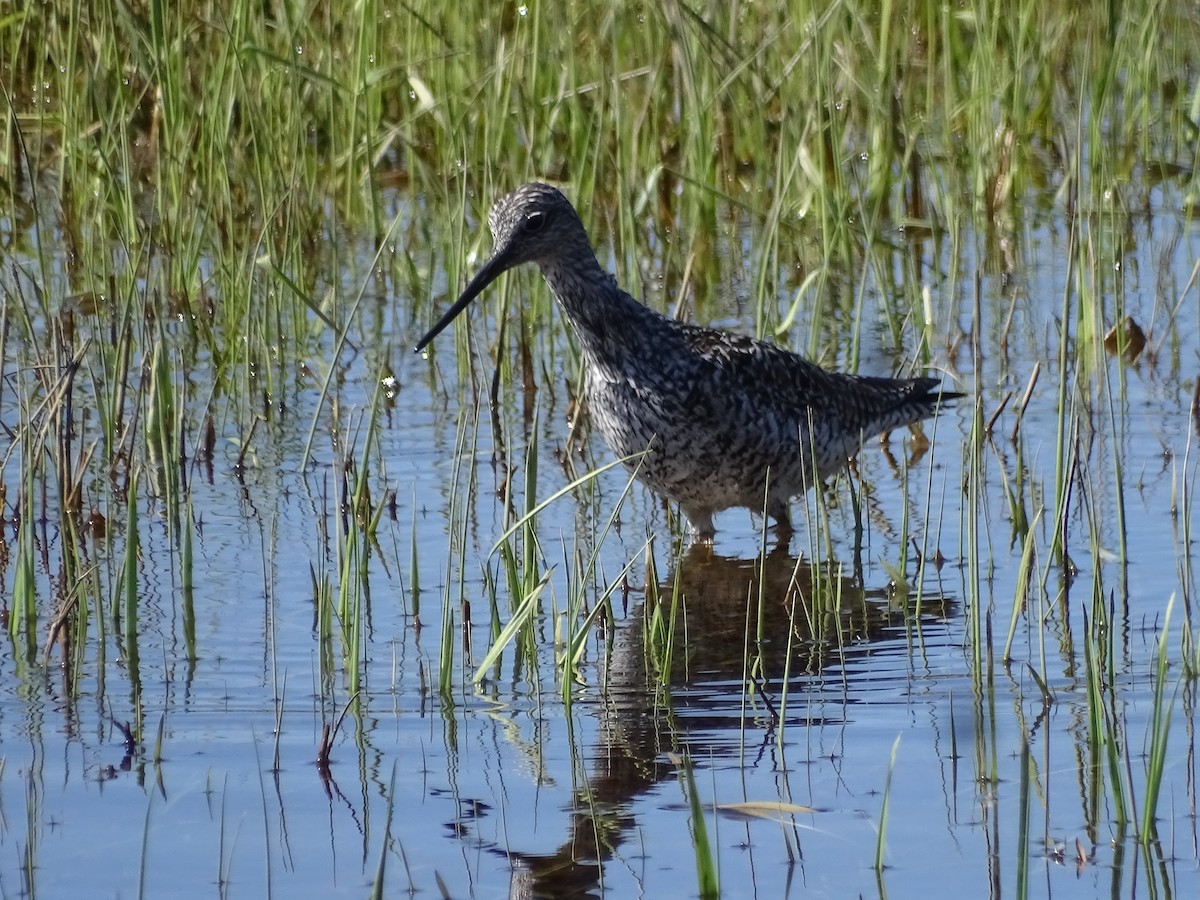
(698, 448)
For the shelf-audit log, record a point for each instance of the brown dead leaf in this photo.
(1127, 339)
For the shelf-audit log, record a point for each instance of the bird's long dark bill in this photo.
(489, 273)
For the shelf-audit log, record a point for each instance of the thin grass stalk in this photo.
(446, 644)
(1064, 438)
(519, 587)
(1021, 593)
(523, 524)
(578, 482)
(523, 614)
(885, 806)
(760, 563)
(927, 519)
(1023, 838)
(268, 893)
(903, 539)
(354, 572)
(661, 627)
(1159, 730)
(160, 424)
(795, 598)
(459, 518)
(280, 700)
(224, 861)
(530, 550)
(343, 340)
(588, 574)
(142, 861)
(24, 593)
(28, 852)
(1117, 494)
(1103, 739)
(325, 614)
(1183, 507)
(129, 575)
(976, 611)
(186, 586)
(349, 603)
(577, 637)
(707, 880)
(377, 889)
(414, 566)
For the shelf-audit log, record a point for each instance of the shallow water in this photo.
(504, 788)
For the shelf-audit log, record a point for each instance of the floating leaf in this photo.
(766, 809)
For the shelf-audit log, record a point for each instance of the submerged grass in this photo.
(222, 220)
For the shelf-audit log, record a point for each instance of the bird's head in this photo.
(535, 223)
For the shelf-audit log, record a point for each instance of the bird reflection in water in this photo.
(691, 704)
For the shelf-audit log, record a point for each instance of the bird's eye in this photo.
(534, 223)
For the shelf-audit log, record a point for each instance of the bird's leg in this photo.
(777, 509)
(703, 530)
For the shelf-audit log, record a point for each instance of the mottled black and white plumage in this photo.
(728, 420)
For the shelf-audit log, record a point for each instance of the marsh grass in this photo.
(522, 559)
(886, 799)
(377, 885)
(221, 221)
(1158, 728)
(1024, 839)
(664, 625)
(707, 876)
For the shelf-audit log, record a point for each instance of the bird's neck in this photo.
(611, 325)
(588, 295)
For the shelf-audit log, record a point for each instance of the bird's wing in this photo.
(784, 380)
(798, 388)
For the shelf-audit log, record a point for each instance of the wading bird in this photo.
(705, 418)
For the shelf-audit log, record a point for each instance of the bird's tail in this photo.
(889, 403)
